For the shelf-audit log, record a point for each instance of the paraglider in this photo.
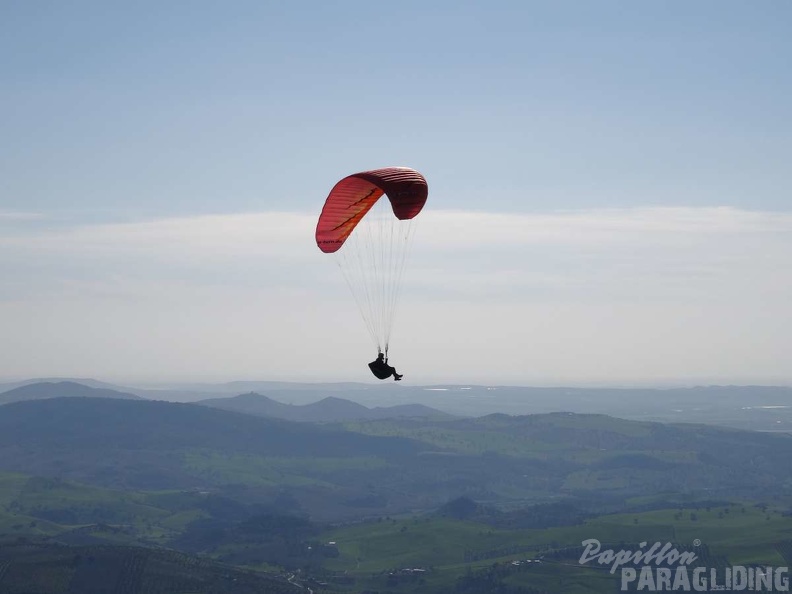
(380, 368)
(370, 239)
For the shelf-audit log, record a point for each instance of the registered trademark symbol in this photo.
(696, 542)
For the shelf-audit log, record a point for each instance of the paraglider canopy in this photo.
(370, 239)
(352, 197)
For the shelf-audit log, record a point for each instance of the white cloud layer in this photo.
(633, 295)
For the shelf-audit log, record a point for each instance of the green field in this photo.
(496, 504)
(219, 468)
(450, 549)
(414, 553)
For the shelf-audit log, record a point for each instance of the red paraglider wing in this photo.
(352, 197)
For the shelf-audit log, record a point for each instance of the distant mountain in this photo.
(334, 409)
(389, 466)
(408, 410)
(143, 424)
(142, 444)
(61, 389)
(85, 381)
(253, 404)
(290, 392)
(330, 409)
(763, 408)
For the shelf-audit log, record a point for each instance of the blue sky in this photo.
(640, 149)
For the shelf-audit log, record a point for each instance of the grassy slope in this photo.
(742, 535)
(53, 569)
(72, 509)
(749, 536)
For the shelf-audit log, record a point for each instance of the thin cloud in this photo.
(219, 236)
(260, 233)
(597, 295)
(603, 226)
(18, 216)
(608, 253)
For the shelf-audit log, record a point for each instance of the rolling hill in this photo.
(761, 408)
(61, 389)
(112, 424)
(58, 569)
(330, 409)
(391, 466)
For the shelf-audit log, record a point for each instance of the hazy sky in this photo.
(610, 190)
